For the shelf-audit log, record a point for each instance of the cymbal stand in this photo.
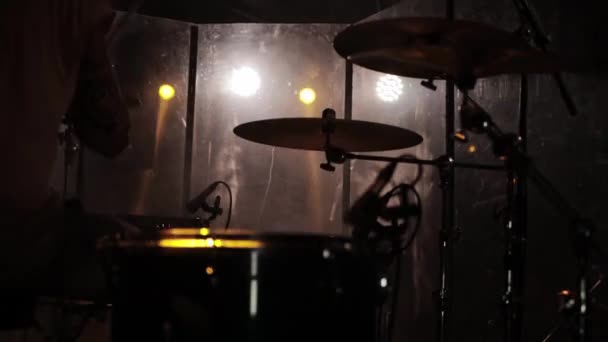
(478, 120)
(446, 234)
(446, 166)
(533, 31)
(71, 150)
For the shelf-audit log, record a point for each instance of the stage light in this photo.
(209, 270)
(389, 88)
(166, 92)
(472, 149)
(308, 96)
(245, 81)
(326, 254)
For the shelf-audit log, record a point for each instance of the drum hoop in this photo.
(203, 238)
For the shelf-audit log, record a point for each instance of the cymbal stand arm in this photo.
(537, 36)
(416, 161)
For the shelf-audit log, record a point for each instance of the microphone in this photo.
(199, 201)
(215, 210)
(364, 213)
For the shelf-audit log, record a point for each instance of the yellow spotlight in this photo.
(166, 92)
(308, 96)
(209, 270)
(472, 148)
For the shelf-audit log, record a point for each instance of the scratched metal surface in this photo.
(423, 111)
(274, 189)
(570, 151)
(146, 179)
(420, 110)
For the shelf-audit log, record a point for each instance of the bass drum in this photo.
(199, 285)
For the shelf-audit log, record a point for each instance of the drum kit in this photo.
(244, 286)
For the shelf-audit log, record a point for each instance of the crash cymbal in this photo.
(307, 134)
(436, 48)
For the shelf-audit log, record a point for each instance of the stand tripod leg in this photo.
(445, 249)
(514, 261)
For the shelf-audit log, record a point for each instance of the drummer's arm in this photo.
(99, 113)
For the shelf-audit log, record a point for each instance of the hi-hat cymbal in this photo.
(307, 134)
(436, 48)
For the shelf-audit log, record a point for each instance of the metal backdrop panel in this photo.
(284, 190)
(422, 111)
(146, 179)
(250, 72)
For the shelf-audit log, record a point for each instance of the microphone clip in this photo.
(214, 210)
(200, 202)
(333, 155)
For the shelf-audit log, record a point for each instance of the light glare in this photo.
(389, 88)
(245, 81)
(308, 96)
(166, 92)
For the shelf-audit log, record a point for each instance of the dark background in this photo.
(571, 151)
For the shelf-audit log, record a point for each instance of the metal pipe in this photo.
(348, 115)
(447, 217)
(433, 162)
(190, 112)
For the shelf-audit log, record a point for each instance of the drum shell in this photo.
(290, 289)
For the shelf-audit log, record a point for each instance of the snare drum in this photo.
(197, 285)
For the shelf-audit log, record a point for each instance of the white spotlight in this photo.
(245, 81)
(389, 88)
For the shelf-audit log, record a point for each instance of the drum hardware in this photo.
(328, 127)
(360, 135)
(520, 166)
(385, 243)
(307, 134)
(532, 30)
(436, 48)
(567, 304)
(324, 287)
(429, 84)
(430, 49)
(462, 52)
(71, 151)
(200, 202)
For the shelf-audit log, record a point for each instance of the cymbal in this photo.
(307, 134)
(436, 48)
